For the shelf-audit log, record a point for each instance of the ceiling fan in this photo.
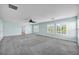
(30, 20)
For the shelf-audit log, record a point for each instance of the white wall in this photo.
(11, 28)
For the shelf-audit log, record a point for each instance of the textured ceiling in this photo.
(38, 12)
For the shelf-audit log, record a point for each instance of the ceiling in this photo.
(38, 12)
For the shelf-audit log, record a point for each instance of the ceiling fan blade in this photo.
(32, 21)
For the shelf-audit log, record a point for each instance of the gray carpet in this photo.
(36, 45)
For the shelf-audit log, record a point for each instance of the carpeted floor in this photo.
(36, 45)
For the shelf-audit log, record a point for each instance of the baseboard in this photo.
(12, 35)
(53, 37)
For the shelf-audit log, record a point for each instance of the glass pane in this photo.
(66, 30)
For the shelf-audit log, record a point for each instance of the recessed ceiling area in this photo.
(38, 12)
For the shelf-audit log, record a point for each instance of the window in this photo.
(50, 28)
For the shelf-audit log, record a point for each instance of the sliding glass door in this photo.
(1, 30)
(64, 29)
(77, 30)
